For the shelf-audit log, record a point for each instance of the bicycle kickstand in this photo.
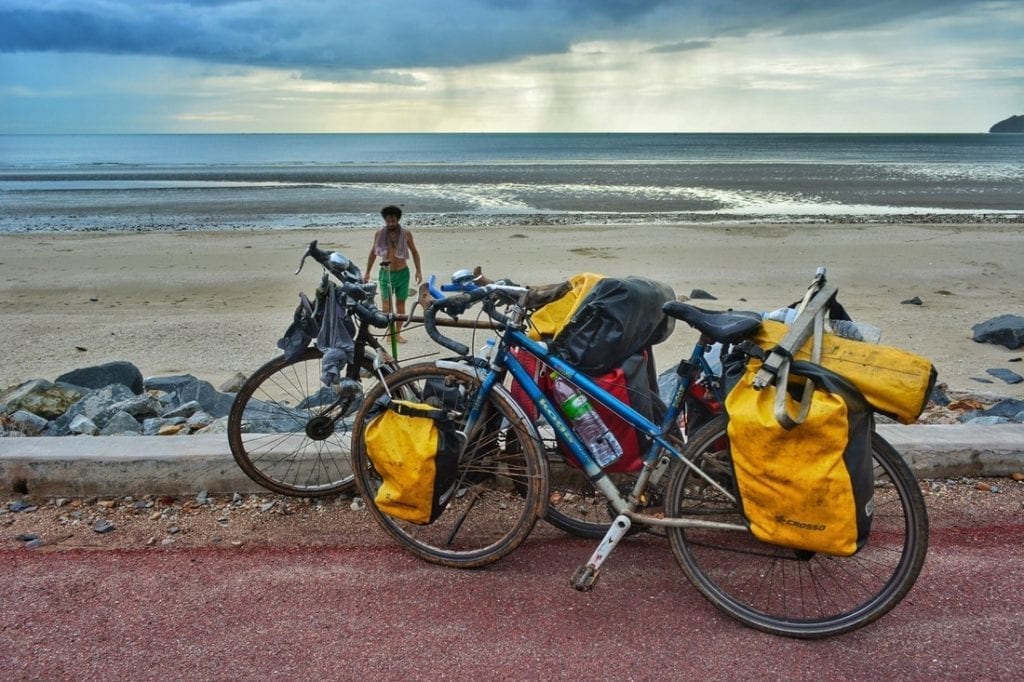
(585, 576)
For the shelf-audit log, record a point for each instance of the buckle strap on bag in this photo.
(809, 322)
(407, 409)
(801, 329)
(751, 349)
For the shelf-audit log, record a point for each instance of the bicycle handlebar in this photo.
(459, 303)
(453, 305)
(350, 282)
(371, 315)
(498, 317)
(318, 255)
(332, 261)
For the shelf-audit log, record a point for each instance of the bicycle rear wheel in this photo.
(501, 479)
(578, 508)
(291, 434)
(789, 592)
(574, 504)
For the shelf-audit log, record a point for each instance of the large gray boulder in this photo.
(186, 388)
(94, 406)
(122, 424)
(27, 423)
(1005, 330)
(98, 376)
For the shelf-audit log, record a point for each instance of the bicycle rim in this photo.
(500, 486)
(291, 434)
(783, 591)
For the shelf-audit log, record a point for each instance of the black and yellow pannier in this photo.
(896, 383)
(415, 449)
(800, 408)
(809, 486)
(605, 327)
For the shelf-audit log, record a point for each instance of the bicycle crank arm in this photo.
(585, 576)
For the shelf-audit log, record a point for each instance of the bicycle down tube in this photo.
(515, 338)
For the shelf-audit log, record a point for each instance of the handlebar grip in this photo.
(371, 316)
(354, 291)
(459, 287)
(430, 324)
(457, 304)
(432, 287)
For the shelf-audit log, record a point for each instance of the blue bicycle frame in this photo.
(503, 359)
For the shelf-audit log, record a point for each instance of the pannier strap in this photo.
(410, 410)
(801, 330)
(810, 320)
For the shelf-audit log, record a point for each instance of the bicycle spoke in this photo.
(289, 433)
(496, 494)
(791, 592)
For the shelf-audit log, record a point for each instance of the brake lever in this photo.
(309, 251)
(302, 261)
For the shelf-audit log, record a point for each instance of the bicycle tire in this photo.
(500, 489)
(279, 434)
(790, 593)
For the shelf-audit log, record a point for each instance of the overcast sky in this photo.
(509, 65)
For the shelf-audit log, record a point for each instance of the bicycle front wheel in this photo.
(500, 483)
(291, 434)
(785, 591)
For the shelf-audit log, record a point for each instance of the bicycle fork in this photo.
(585, 576)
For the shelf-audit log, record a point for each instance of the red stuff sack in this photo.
(630, 383)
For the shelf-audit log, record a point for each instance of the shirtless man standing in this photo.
(393, 244)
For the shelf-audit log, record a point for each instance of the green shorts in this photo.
(397, 281)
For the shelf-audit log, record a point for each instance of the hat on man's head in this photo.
(391, 210)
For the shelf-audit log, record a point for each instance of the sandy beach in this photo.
(214, 303)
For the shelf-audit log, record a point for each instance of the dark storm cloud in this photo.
(345, 37)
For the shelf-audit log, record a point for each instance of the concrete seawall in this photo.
(180, 465)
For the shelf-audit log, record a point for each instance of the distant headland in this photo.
(1014, 124)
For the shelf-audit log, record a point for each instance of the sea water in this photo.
(195, 182)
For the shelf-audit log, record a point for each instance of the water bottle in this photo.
(783, 315)
(857, 331)
(586, 422)
(486, 350)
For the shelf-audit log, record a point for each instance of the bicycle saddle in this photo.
(726, 326)
(540, 296)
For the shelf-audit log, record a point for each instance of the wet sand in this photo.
(214, 303)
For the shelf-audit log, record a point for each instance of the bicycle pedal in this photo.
(584, 578)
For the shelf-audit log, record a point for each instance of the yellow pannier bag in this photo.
(547, 321)
(895, 382)
(809, 487)
(414, 448)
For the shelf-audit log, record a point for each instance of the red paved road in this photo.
(366, 610)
